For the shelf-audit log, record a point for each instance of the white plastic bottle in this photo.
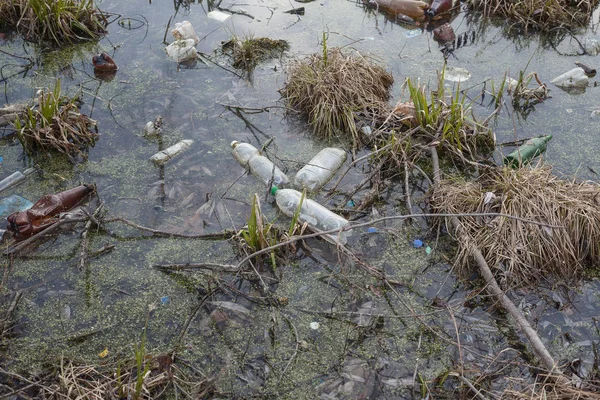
(264, 169)
(319, 170)
(165, 155)
(317, 217)
(259, 165)
(243, 152)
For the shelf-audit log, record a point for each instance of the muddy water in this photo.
(334, 329)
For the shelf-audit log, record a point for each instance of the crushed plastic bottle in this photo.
(44, 212)
(15, 178)
(165, 155)
(527, 151)
(319, 170)
(259, 165)
(317, 217)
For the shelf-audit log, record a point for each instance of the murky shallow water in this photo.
(238, 335)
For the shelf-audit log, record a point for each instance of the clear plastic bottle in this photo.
(243, 152)
(317, 217)
(264, 169)
(259, 165)
(15, 178)
(320, 168)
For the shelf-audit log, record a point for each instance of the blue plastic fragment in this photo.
(350, 203)
(413, 33)
(417, 243)
(1, 159)
(371, 230)
(164, 300)
(12, 204)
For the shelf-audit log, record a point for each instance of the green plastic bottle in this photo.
(527, 151)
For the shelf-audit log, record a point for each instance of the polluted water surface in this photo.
(157, 278)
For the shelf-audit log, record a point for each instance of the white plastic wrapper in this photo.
(181, 50)
(185, 30)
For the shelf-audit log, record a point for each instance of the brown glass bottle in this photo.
(438, 7)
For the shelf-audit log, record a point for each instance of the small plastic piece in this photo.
(527, 151)
(428, 250)
(182, 50)
(184, 30)
(575, 78)
(317, 217)
(104, 63)
(413, 33)
(417, 243)
(15, 178)
(591, 46)
(163, 156)
(45, 212)
(320, 169)
(218, 16)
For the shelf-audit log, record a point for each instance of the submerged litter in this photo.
(456, 74)
(14, 203)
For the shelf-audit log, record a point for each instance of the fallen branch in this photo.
(493, 287)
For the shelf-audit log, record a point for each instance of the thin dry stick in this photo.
(218, 235)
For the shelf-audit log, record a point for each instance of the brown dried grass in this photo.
(540, 15)
(109, 382)
(518, 252)
(548, 389)
(333, 87)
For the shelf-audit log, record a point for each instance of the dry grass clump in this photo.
(54, 21)
(539, 14)
(547, 388)
(117, 382)
(56, 124)
(331, 88)
(518, 252)
(248, 52)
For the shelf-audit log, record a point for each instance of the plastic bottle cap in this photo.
(274, 190)
(234, 143)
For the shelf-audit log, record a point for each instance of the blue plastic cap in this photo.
(418, 243)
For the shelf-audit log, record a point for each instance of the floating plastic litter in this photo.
(219, 16)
